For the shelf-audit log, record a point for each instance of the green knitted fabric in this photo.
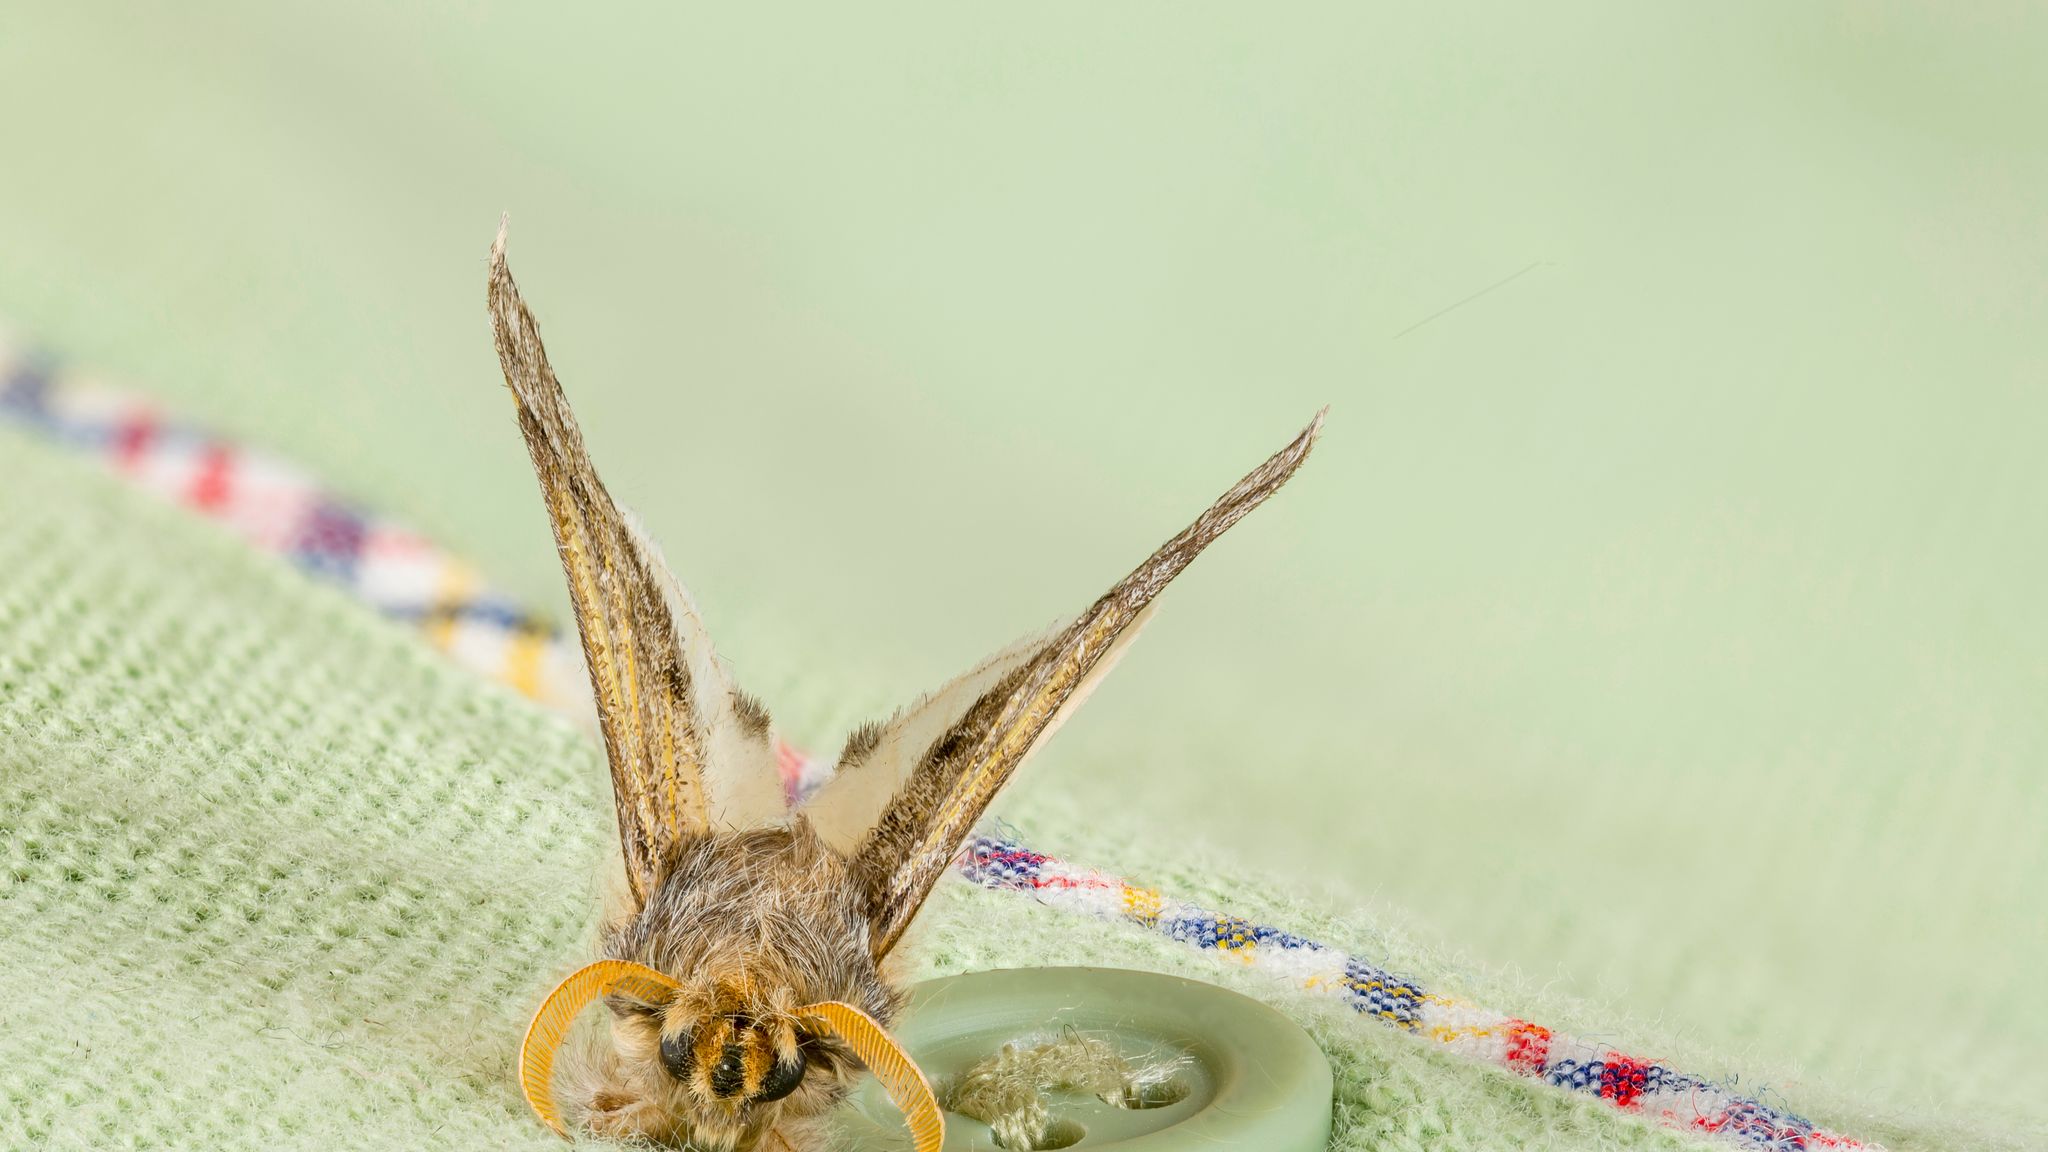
(1662, 617)
(278, 877)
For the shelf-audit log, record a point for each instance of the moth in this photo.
(744, 975)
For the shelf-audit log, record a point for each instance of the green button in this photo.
(1240, 1075)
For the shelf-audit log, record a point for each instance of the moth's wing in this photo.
(950, 755)
(879, 758)
(688, 751)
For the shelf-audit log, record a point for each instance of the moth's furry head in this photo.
(753, 925)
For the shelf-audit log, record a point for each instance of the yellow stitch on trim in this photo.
(1445, 1033)
(1142, 905)
(522, 662)
(456, 584)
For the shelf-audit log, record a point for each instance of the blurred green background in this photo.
(1661, 617)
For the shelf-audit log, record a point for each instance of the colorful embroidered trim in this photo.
(1627, 1082)
(280, 509)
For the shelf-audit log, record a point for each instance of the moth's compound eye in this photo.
(678, 1054)
(782, 1079)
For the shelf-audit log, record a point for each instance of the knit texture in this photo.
(282, 510)
(278, 876)
(1663, 621)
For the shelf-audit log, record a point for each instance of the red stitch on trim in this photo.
(1622, 1079)
(384, 540)
(132, 438)
(210, 486)
(1528, 1047)
(1093, 880)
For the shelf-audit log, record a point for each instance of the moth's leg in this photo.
(808, 1135)
(615, 1113)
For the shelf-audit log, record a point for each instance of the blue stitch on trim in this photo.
(329, 542)
(1381, 993)
(27, 390)
(1577, 1075)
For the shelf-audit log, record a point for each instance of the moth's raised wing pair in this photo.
(691, 754)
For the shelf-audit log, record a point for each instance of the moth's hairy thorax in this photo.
(754, 924)
(774, 904)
